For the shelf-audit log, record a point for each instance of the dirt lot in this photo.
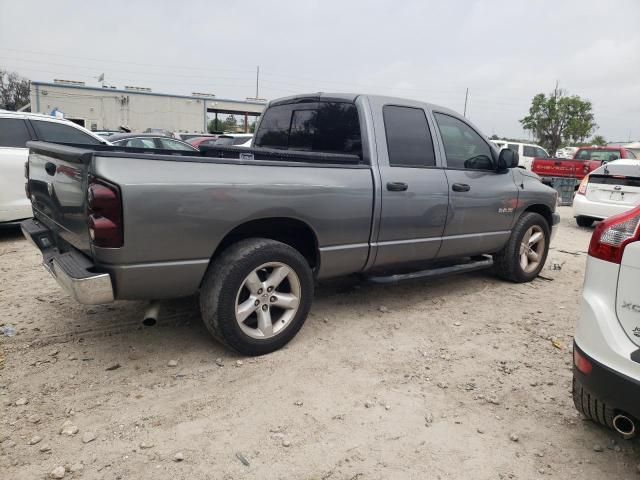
(456, 378)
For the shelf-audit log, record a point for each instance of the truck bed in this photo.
(178, 207)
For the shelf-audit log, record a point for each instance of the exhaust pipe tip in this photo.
(625, 426)
(151, 314)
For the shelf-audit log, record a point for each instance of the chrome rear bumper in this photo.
(72, 270)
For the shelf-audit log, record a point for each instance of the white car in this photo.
(17, 128)
(566, 152)
(606, 351)
(234, 139)
(610, 189)
(526, 151)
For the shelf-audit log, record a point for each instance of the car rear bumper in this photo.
(73, 271)
(583, 207)
(614, 389)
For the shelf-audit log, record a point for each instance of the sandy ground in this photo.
(456, 378)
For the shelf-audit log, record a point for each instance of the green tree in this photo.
(230, 124)
(215, 126)
(598, 140)
(559, 118)
(14, 90)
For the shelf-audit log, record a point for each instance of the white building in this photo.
(137, 108)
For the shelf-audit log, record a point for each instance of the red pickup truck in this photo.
(584, 161)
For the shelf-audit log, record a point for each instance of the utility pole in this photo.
(466, 97)
(257, 82)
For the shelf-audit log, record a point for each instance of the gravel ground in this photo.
(466, 377)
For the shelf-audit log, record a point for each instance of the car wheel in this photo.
(584, 221)
(524, 255)
(591, 407)
(256, 296)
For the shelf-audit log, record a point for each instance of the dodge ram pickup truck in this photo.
(334, 184)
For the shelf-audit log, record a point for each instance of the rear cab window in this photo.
(13, 133)
(600, 155)
(326, 127)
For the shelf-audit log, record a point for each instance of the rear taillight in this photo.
(105, 214)
(581, 362)
(613, 234)
(582, 189)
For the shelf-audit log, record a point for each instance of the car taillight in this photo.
(581, 362)
(105, 214)
(613, 234)
(582, 189)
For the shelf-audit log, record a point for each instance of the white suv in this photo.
(16, 129)
(606, 351)
(526, 151)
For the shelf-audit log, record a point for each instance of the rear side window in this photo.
(528, 151)
(630, 154)
(463, 146)
(409, 140)
(328, 127)
(13, 133)
(61, 133)
(514, 147)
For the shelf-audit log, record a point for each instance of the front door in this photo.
(482, 201)
(414, 191)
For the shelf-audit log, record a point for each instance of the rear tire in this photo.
(525, 253)
(590, 406)
(256, 295)
(583, 221)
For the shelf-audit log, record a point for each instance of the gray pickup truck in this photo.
(334, 184)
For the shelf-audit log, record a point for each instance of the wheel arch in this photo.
(543, 210)
(291, 231)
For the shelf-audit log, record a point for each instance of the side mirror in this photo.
(507, 159)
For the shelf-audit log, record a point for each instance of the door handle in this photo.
(50, 168)
(460, 187)
(397, 186)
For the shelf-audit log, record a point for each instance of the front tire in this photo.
(583, 221)
(256, 296)
(525, 253)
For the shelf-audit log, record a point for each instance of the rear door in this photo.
(14, 204)
(482, 202)
(414, 187)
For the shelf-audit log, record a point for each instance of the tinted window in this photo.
(61, 133)
(528, 151)
(224, 141)
(331, 127)
(514, 146)
(240, 140)
(599, 155)
(173, 144)
(463, 147)
(13, 133)
(136, 142)
(540, 153)
(409, 140)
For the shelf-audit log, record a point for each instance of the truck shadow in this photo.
(9, 233)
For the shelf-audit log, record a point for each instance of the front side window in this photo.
(138, 143)
(463, 146)
(409, 142)
(328, 127)
(528, 151)
(61, 133)
(13, 133)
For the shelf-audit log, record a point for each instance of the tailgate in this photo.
(614, 189)
(57, 184)
(558, 167)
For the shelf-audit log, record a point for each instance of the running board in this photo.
(481, 264)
